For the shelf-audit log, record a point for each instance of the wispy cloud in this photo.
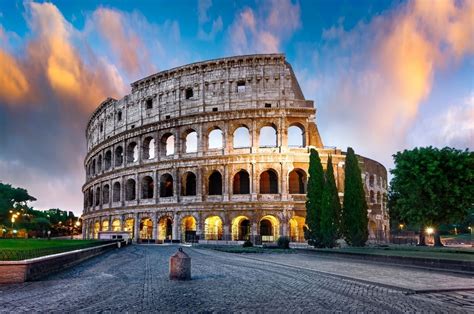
(204, 20)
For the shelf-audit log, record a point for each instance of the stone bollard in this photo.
(180, 266)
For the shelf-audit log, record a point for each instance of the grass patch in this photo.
(462, 237)
(460, 254)
(20, 249)
(244, 250)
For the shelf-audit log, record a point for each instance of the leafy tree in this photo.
(12, 199)
(354, 213)
(431, 187)
(314, 195)
(330, 208)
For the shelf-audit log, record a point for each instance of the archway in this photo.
(215, 139)
(116, 225)
(130, 190)
(213, 228)
(241, 137)
(146, 229)
(372, 229)
(105, 225)
(188, 184)
(129, 226)
(240, 228)
(269, 228)
(147, 187)
(215, 183)
(269, 182)
(297, 182)
(166, 185)
(297, 224)
(188, 229)
(96, 229)
(165, 228)
(296, 136)
(241, 183)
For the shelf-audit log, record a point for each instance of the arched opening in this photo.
(106, 194)
(105, 225)
(166, 185)
(165, 229)
(132, 152)
(241, 183)
(99, 164)
(116, 192)
(215, 183)
(269, 182)
(372, 196)
(146, 229)
(297, 224)
(147, 187)
(241, 137)
(129, 226)
(372, 229)
(167, 144)
(269, 228)
(296, 136)
(371, 180)
(188, 229)
(93, 167)
(188, 184)
(97, 197)
(96, 230)
(297, 182)
(379, 198)
(130, 191)
(118, 156)
(148, 148)
(191, 142)
(268, 136)
(213, 228)
(240, 229)
(215, 139)
(108, 160)
(91, 197)
(116, 225)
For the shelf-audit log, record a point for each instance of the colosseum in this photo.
(214, 151)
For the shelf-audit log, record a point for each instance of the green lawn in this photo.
(462, 236)
(462, 254)
(19, 249)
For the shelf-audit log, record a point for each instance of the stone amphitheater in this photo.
(212, 151)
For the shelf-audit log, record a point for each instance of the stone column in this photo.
(253, 182)
(136, 228)
(254, 138)
(225, 182)
(155, 227)
(227, 233)
(283, 182)
(175, 233)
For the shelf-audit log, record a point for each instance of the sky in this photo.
(385, 75)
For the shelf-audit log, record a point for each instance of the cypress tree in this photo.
(330, 209)
(354, 214)
(313, 202)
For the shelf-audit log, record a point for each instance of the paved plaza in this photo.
(136, 279)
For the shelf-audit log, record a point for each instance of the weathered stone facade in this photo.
(215, 150)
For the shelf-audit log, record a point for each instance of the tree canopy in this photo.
(314, 196)
(330, 208)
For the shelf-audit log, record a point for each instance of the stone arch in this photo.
(91, 197)
(241, 228)
(99, 164)
(269, 182)
(146, 228)
(147, 187)
(371, 180)
(105, 225)
(148, 148)
(213, 228)
(268, 136)
(372, 196)
(108, 160)
(241, 137)
(188, 184)
(165, 229)
(372, 229)
(297, 181)
(106, 194)
(167, 144)
(379, 198)
(96, 229)
(215, 183)
(269, 228)
(188, 228)
(190, 141)
(241, 182)
(118, 156)
(116, 192)
(129, 226)
(215, 138)
(296, 225)
(296, 135)
(132, 152)
(130, 190)
(166, 185)
(116, 225)
(97, 196)
(93, 167)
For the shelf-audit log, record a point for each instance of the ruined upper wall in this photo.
(234, 83)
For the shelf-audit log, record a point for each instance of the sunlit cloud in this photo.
(204, 19)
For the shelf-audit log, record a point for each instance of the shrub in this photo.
(247, 243)
(283, 242)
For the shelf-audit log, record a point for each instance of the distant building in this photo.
(214, 150)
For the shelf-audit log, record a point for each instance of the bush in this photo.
(283, 242)
(247, 243)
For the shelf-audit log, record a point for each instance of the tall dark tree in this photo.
(354, 213)
(432, 187)
(330, 209)
(12, 199)
(314, 195)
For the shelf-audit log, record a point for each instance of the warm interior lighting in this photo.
(429, 230)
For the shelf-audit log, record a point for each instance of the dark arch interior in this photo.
(266, 228)
(241, 183)
(297, 182)
(189, 184)
(166, 185)
(215, 183)
(268, 182)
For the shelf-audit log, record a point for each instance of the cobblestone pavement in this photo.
(136, 279)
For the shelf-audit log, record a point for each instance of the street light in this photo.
(429, 230)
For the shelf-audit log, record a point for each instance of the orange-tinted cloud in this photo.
(13, 82)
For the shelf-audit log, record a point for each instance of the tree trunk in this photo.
(437, 240)
(422, 241)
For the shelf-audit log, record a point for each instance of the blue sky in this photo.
(384, 75)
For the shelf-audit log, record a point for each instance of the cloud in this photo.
(381, 72)
(203, 20)
(263, 31)
(12, 79)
